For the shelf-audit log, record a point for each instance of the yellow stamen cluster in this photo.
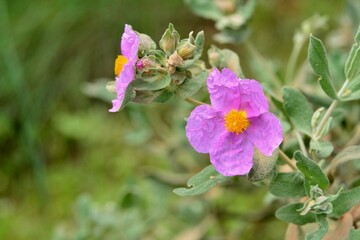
(236, 121)
(119, 64)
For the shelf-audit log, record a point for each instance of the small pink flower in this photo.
(237, 120)
(125, 65)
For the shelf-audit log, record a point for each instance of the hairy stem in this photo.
(301, 142)
(288, 160)
(298, 43)
(195, 102)
(324, 120)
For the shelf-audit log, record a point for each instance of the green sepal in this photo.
(156, 82)
(146, 97)
(319, 63)
(312, 172)
(263, 166)
(194, 79)
(146, 44)
(290, 214)
(288, 185)
(202, 182)
(298, 109)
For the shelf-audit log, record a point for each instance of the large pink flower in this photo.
(237, 120)
(125, 65)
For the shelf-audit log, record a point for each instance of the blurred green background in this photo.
(72, 170)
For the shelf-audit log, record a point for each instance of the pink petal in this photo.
(232, 154)
(203, 127)
(252, 100)
(126, 76)
(130, 42)
(224, 90)
(265, 133)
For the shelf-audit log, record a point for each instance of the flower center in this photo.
(119, 64)
(236, 121)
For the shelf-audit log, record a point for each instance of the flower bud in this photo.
(146, 44)
(186, 49)
(214, 56)
(226, 6)
(147, 66)
(169, 40)
(175, 60)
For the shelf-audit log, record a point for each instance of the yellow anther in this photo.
(119, 64)
(236, 121)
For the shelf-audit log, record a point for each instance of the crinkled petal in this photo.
(130, 42)
(252, 99)
(203, 127)
(265, 132)
(224, 90)
(231, 154)
(121, 83)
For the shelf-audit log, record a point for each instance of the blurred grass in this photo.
(57, 144)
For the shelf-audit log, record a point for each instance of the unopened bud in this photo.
(175, 60)
(169, 40)
(147, 66)
(186, 50)
(214, 56)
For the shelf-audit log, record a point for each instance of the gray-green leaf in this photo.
(290, 214)
(319, 63)
(202, 182)
(298, 109)
(322, 149)
(289, 185)
(348, 154)
(323, 228)
(345, 201)
(312, 172)
(352, 66)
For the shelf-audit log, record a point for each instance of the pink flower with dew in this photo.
(237, 120)
(125, 65)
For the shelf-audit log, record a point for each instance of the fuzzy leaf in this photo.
(348, 154)
(204, 8)
(202, 182)
(157, 82)
(352, 66)
(298, 109)
(190, 86)
(354, 234)
(322, 149)
(289, 185)
(323, 228)
(312, 172)
(319, 63)
(290, 214)
(345, 201)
